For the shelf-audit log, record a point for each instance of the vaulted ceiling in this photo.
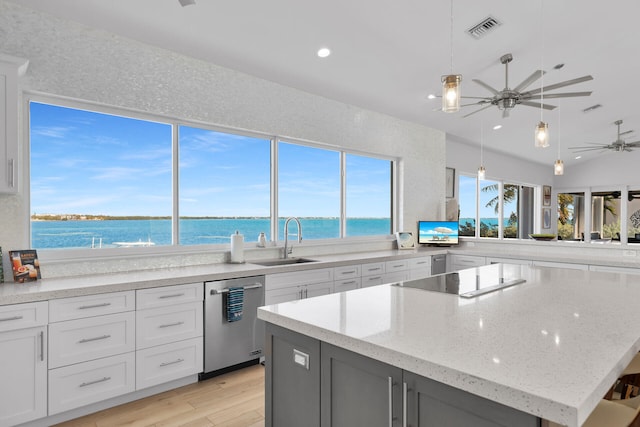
(388, 56)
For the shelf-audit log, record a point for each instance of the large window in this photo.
(571, 216)
(482, 202)
(605, 220)
(108, 180)
(633, 215)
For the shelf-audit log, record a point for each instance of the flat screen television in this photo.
(438, 233)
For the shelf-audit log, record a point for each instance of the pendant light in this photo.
(451, 83)
(481, 170)
(558, 166)
(542, 129)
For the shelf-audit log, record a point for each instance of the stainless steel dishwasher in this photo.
(226, 343)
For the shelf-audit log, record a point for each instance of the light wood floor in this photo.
(235, 399)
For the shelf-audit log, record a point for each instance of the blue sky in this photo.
(92, 163)
(467, 189)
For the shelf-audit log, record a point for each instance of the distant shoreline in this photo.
(78, 217)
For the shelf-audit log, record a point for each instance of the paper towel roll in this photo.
(237, 248)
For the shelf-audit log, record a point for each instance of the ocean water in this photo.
(85, 234)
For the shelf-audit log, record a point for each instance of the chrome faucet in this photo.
(288, 250)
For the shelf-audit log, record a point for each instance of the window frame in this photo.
(176, 123)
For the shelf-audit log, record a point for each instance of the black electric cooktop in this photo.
(470, 283)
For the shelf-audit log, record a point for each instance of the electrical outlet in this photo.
(628, 252)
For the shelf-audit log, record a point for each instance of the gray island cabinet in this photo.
(543, 347)
(317, 384)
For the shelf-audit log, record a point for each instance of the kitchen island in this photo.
(546, 348)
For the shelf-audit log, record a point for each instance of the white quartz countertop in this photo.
(551, 346)
(45, 289)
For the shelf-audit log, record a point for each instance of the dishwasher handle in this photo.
(226, 290)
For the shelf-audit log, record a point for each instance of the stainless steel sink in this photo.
(282, 261)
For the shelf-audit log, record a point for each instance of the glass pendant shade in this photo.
(542, 135)
(481, 172)
(451, 93)
(558, 167)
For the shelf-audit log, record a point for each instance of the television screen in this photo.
(441, 233)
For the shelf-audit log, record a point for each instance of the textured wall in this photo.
(71, 60)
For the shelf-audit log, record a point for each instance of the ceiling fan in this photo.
(618, 145)
(508, 98)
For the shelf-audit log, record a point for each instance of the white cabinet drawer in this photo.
(169, 295)
(396, 276)
(347, 284)
(373, 269)
(346, 272)
(372, 280)
(296, 278)
(21, 316)
(85, 383)
(397, 265)
(422, 262)
(168, 362)
(90, 305)
(80, 340)
(163, 325)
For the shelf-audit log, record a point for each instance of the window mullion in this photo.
(175, 217)
(343, 194)
(274, 189)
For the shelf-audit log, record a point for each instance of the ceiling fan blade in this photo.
(486, 86)
(526, 82)
(537, 105)
(477, 111)
(559, 85)
(476, 97)
(558, 95)
(583, 149)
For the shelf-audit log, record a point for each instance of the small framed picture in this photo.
(405, 240)
(450, 182)
(546, 218)
(546, 195)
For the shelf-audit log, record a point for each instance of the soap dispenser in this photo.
(262, 240)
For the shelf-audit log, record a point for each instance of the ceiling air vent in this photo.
(480, 30)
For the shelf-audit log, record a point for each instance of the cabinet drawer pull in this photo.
(103, 337)
(104, 304)
(101, 380)
(6, 319)
(404, 404)
(171, 363)
(421, 262)
(171, 296)
(374, 278)
(390, 382)
(41, 346)
(12, 173)
(350, 282)
(373, 269)
(398, 266)
(348, 272)
(168, 325)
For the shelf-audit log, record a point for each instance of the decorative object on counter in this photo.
(542, 236)
(546, 195)
(237, 248)
(405, 240)
(25, 265)
(262, 240)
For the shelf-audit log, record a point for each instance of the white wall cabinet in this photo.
(11, 68)
(23, 371)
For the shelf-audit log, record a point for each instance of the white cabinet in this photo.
(11, 68)
(23, 371)
(283, 287)
(372, 274)
(346, 278)
(169, 333)
(460, 262)
(419, 267)
(91, 349)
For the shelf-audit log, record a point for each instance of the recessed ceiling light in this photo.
(496, 127)
(578, 157)
(324, 52)
(431, 96)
